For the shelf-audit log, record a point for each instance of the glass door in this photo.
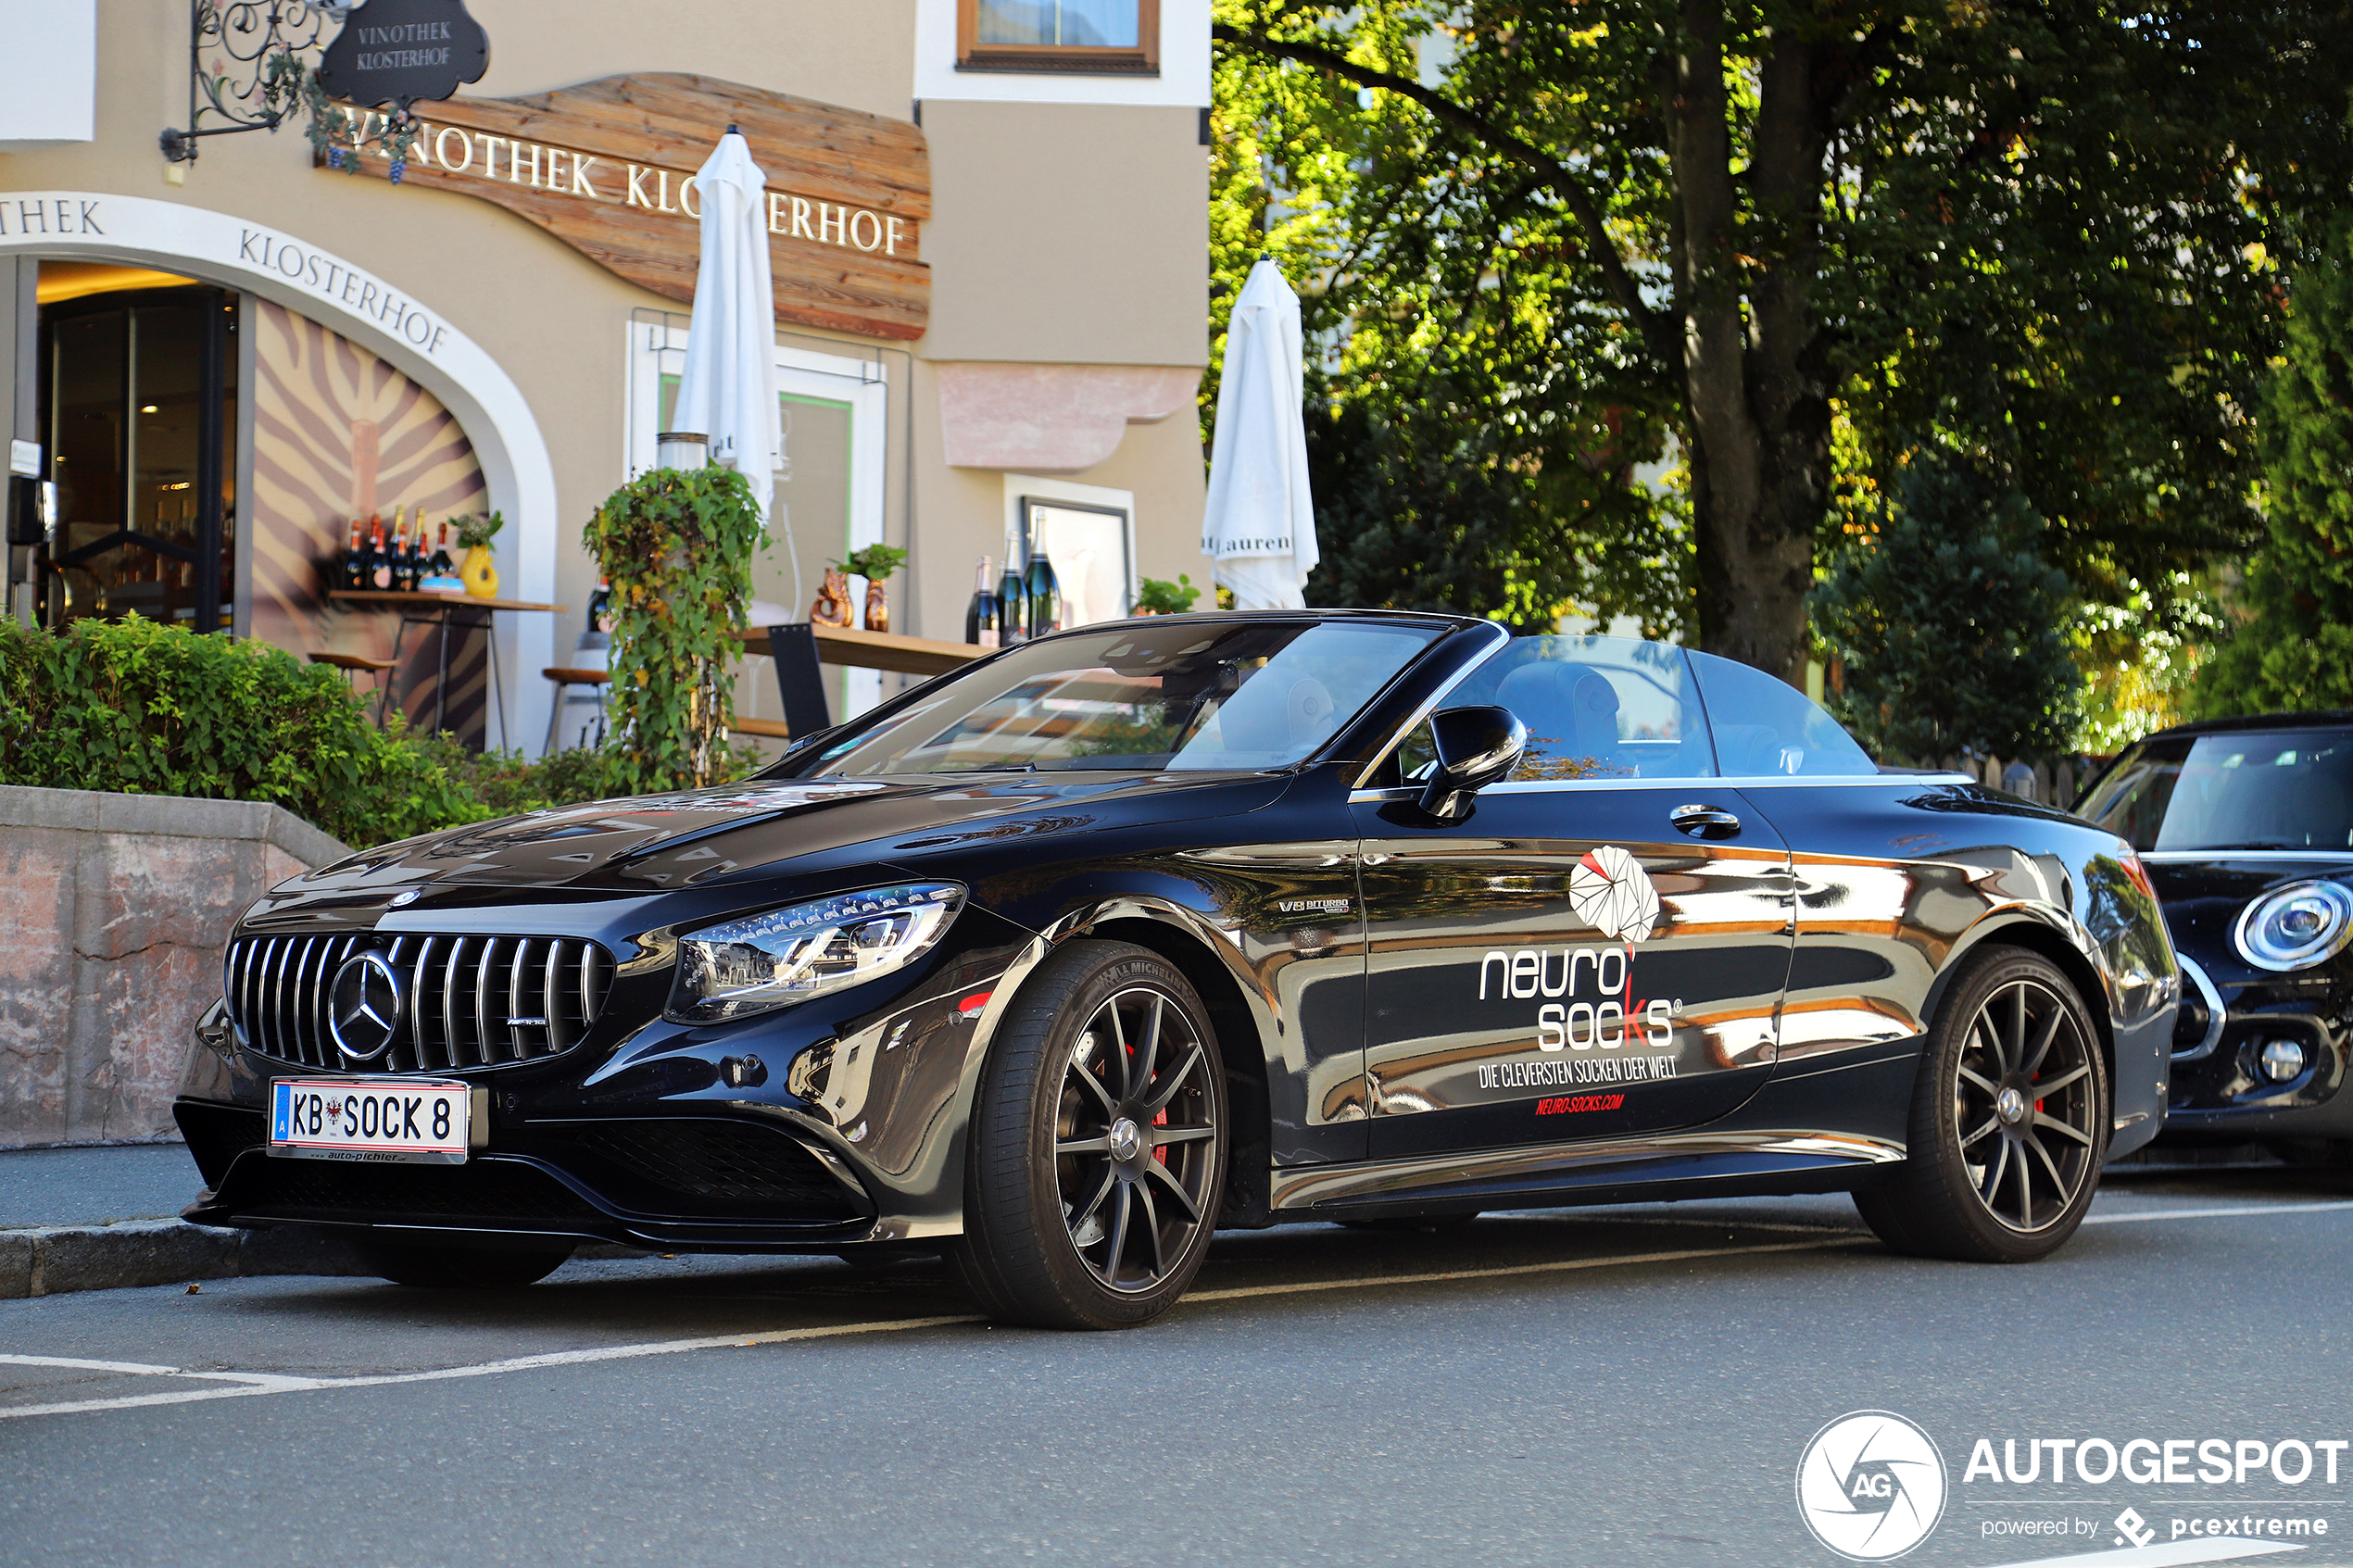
(139, 398)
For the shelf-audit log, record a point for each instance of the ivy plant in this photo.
(676, 545)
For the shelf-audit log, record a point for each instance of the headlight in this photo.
(2296, 926)
(763, 962)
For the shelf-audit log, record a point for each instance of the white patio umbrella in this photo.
(1259, 529)
(728, 388)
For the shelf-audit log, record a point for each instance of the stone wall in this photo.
(115, 908)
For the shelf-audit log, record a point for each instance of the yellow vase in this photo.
(480, 577)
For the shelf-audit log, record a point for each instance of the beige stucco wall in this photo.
(1069, 234)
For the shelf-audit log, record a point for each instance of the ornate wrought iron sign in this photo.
(394, 53)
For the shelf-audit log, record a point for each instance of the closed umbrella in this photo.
(728, 388)
(1261, 524)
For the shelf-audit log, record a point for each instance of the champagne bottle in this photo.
(982, 621)
(1045, 593)
(443, 566)
(350, 568)
(601, 606)
(1013, 608)
(379, 558)
(402, 580)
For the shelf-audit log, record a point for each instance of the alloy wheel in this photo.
(2024, 1105)
(1135, 1139)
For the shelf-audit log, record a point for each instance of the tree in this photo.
(2042, 232)
(1947, 623)
(2292, 645)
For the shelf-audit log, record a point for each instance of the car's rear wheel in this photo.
(462, 1268)
(2009, 1121)
(1099, 1143)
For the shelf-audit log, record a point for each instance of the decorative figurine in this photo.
(831, 607)
(877, 607)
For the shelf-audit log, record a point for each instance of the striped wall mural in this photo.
(339, 434)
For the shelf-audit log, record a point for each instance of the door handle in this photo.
(1705, 821)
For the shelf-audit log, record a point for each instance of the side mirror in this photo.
(1476, 747)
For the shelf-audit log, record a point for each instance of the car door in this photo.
(1598, 949)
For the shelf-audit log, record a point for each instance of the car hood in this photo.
(649, 842)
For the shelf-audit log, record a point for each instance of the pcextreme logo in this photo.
(1870, 1485)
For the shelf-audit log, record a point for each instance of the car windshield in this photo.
(2247, 789)
(1186, 694)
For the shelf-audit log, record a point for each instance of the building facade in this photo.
(987, 228)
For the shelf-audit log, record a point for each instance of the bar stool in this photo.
(565, 680)
(352, 663)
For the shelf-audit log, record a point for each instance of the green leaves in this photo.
(676, 545)
(1947, 624)
(137, 708)
(2293, 646)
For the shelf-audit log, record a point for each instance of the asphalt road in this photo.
(1600, 1387)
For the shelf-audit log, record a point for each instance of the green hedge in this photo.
(138, 708)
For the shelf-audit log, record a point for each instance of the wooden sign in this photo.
(607, 168)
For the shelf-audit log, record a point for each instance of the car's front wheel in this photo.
(1098, 1142)
(2009, 1120)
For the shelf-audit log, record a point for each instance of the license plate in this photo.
(371, 1120)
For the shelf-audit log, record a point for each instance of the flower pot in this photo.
(480, 577)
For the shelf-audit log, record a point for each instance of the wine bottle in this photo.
(1013, 608)
(403, 578)
(1045, 593)
(982, 622)
(379, 558)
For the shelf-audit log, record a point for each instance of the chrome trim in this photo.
(587, 986)
(514, 995)
(2216, 1014)
(1312, 1187)
(417, 1000)
(275, 1011)
(449, 1001)
(551, 996)
(1575, 786)
(482, 999)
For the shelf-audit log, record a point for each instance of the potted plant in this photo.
(1154, 597)
(475, 534)
(874, 563)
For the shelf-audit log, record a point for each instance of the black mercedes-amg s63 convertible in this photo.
(1059, 963)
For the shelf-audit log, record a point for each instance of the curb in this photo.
(52, 1260)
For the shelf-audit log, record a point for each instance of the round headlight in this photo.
(2296, 926)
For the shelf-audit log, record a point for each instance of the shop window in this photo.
(138, 393)
(1089, 36)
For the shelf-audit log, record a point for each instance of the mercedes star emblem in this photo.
(363, 1010)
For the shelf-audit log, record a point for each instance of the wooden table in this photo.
(434, 609)
(807, 646)
(877, 650)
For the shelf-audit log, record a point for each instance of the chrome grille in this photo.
(466, 1002)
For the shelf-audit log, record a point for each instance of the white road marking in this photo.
(248, 1384)
(2224, 1213)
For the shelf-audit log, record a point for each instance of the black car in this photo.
(2247, 826)
(1061, 961)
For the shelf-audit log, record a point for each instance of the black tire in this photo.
(1081, 1210)
(462, 1268)
(2009, 1120)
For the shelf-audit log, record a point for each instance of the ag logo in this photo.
(1870, 1485)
